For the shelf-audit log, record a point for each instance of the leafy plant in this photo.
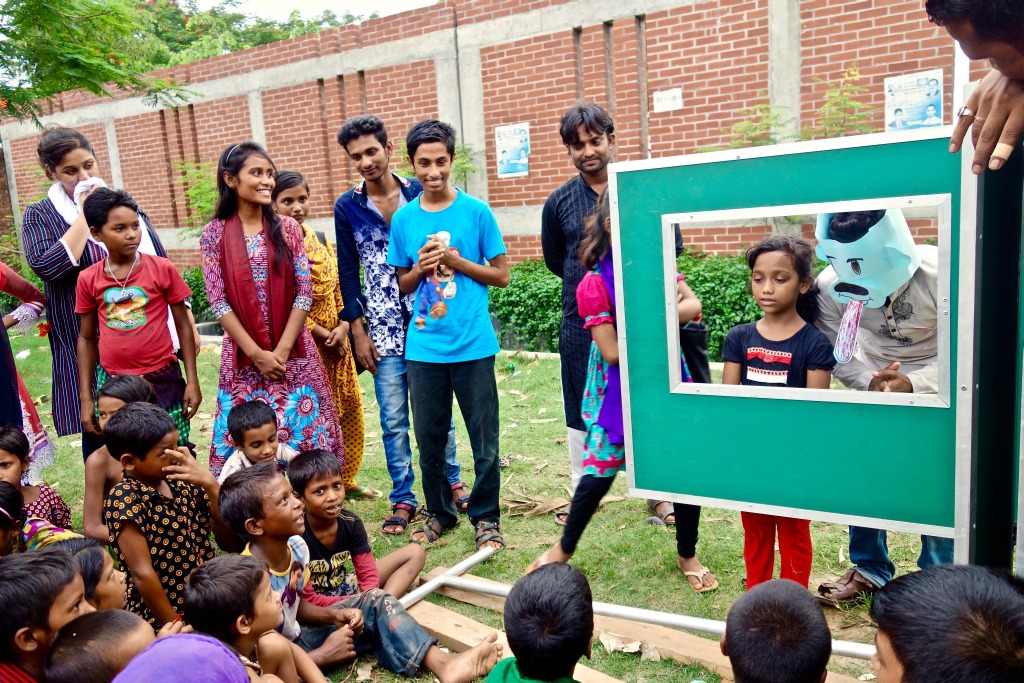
(722, 283)
(200, 304)
(464, 164)
(842, 113)
(530, 308)
(199, 187)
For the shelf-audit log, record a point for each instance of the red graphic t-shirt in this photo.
(134, 338)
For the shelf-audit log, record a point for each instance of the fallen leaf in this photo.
(622, 528)
(365, 671)
(542, 411)
(631, 648)
(560, 440)
(540, 467)
(649, 653)
(611, 643)
(536, 362)
(22, 355)
(545, 420)
(204, 416)
(515, 392)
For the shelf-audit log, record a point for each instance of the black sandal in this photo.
(396, 520)
(461, 502)
(487, 532)
(432, 530)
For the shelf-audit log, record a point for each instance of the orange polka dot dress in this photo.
(341, 371)
(177, 530)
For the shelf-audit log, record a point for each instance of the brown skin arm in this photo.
(365, 349)
(998, 107)
(135, 550)
(687, 303)
(819, 379)
(186, 468)
(731, 373)
(296, 321)
(494, 274)
(88, 353)
(267, 362)
(185, 327)
(607, 341)
(92, 506)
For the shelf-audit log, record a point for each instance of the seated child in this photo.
(776, 632)
(40, 501)
(103, 472)
(177, 659)
(161, 514)
(96, 646)
(549, 621)
(18, 534)
(105, 584)
(950, 623)
(40, 591)
(253, 427)
(231, 599)
(259, 505)
(334, 536)
(128, 332)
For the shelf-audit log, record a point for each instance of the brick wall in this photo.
(716, 52)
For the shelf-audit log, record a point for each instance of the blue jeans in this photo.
(391, 385)
(869, 552)
(434, 385)
(398, 642)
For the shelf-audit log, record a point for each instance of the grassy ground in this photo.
(627, 561)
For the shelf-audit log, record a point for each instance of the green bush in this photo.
(530, 308)
(200, 304)
(722, 283)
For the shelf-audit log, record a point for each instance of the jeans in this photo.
(399, 643)
(391, 385)
(869, 552)
(432, 387)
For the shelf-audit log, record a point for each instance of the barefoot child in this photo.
(103, 472)
(126, 297)
(40, 500)
(782, 349)
(446, 246)
(549, 620)
(335, 536)
(231, 599)
(259, 505)
(161, 514)
(40, 591)
(253, 427)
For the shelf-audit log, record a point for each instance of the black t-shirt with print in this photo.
(330, 569)
(770, 363)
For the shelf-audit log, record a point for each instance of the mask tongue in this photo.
(846, 340)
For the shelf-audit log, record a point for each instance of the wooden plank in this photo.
(673, 644)
(459, 633)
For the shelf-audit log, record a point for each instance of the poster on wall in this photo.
(913, 100)
(513, 150)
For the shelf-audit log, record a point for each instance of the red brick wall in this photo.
(30, 183)
(219, 123)
(145, 165)
(401, 96)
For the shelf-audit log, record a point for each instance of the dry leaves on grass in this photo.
(647, 652)
(532, 507)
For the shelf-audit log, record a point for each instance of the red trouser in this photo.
(759, 548)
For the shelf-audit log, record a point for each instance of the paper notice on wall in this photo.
(513, 150)
(913, 100)
(668, 100)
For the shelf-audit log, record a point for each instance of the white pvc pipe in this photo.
(430, 586)
(844, 648)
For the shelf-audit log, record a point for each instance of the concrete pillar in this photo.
(256, 117)
(784, 63)
(113, 154)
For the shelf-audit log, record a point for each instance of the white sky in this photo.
(275, 9)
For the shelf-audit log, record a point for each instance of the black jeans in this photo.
(431, 388)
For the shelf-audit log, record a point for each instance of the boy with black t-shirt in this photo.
(336, 537)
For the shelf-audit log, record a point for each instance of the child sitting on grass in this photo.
(231, 599)
(161, 514)
(40, 500)
(335, 536)
(253, 427)
(950, 623)
(776, 632)
(40, 591)
(19, 534)
(102, 472)
(259, 505)
(96, 646)
(549, 621)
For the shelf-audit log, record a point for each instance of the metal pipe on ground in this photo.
(843, 648)
(412, 597)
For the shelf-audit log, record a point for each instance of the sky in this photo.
(275, 9)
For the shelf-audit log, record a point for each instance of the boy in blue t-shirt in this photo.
(446, 247)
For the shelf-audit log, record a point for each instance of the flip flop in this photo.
(704, 571)
(362, 493)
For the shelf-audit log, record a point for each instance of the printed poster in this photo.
(913, 100)
(513, 150)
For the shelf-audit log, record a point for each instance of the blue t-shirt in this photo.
(464, 332)
(777, 363)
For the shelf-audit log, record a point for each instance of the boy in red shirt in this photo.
(123, 303)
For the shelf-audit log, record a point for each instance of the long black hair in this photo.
(55, 142)
(596, 239)
(802, 257)
(286, 180)
(231, 162)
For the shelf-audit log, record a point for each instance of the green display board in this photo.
(888, 461)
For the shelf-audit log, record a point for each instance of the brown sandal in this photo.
(850, 586)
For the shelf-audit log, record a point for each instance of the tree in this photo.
(49, 47)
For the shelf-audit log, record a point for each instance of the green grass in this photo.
(627, 561)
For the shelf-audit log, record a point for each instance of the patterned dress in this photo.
(51, 507)
(305, 421)
(341, 372)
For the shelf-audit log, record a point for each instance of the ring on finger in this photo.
(964, 111)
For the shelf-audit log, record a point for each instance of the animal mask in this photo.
(871, 268)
